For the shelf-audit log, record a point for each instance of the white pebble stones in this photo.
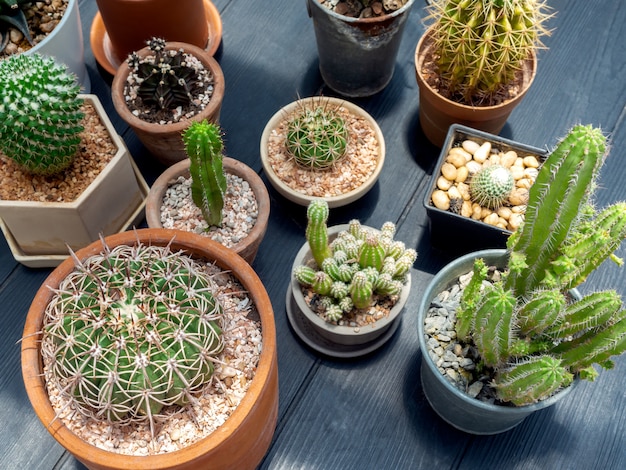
(452, 192)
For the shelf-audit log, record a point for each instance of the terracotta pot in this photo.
(301, 197)
(39, 232)
(364, 337)
(437, 113)
(454, 406)
(241, 442)
(246, 248)
(130, 23)
(164, 141)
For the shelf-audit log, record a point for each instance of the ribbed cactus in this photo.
(40, 113)
(526, 325)
(165, 80)
(204, 145)
(130, 331)
(480, 45)
(317, 135)
(359, 264)
(12, 16)
(491, 185)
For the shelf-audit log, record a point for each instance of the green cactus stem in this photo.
(317, 137)
(540, 311)
(361, 290)
(317, 230)
(469, 299)
(554, 204)
(481, 45)
(491, 186)
(204, 145)
(527, 382)
(132, 330)
(40, 113)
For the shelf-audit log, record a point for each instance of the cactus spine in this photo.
(525, 325)
(132, 330)
(204, 145)
(317, 135)
(482, 44)
(40, 113)
(357, 266)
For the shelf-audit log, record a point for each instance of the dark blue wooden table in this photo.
(370, 413)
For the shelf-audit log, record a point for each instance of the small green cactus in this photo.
(130, 331)
(491, 185)
(526, 325)
(12, 16)
(40, 113)
(165, 79)
(204, 145)
(481, 44)
(358, 265)
(317, 136)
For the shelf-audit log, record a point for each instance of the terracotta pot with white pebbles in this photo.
(479, 189)
(235, 213)
(322, 148)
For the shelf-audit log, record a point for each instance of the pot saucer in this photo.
(109, 60)
(315, 341)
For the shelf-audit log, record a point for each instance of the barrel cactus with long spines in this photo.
(130, 331)
(526, 325)
(204, 145)
(482, 44)
(40, 113)
(317, 135)
(356, 267)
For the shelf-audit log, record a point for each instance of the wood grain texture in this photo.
(371, 413)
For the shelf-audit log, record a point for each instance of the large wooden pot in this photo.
(164, 141)
(248, 247)
(241, 442)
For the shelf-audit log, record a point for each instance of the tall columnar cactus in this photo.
(481, 44)
(165, 79)
(204, 145)
(526, 325)
(359, 264)
(131, 331)
(40, 113)
(317, 135)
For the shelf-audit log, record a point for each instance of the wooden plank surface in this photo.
(371, 412)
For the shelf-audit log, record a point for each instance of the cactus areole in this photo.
(131, 331)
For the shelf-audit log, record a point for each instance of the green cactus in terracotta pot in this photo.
(130, 331)
(355, 267)
(204, 146)
(40, 113)
(481, 44)
(527, 326)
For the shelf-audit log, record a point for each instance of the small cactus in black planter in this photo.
(490, 187)
(526, 326)
(40, 113)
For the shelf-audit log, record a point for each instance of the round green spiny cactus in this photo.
(317, 137)
(40, 113)
(132, 330)
(490, 187)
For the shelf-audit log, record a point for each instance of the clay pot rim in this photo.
(425, 43)
(119, 80)
(197, 246)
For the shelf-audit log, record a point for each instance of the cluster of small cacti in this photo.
(527, 326)
(165, 79)
(481, 44)
(40, 113)
(490, 187)
(317, 136)
(12, 16)
(204, 145)
(357, 265)
(130, 331)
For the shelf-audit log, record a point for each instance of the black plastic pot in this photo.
(456, 233)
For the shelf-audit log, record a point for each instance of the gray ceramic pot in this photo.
(453, 406)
